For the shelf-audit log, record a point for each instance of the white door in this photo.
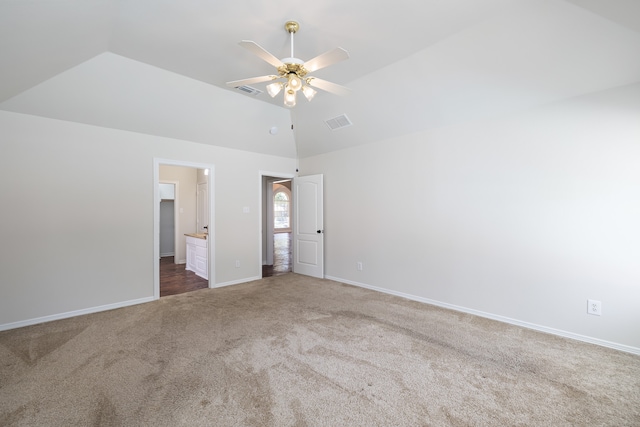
(308, 226)
(202, 208)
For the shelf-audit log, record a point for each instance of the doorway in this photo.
(277, 224)
(167, 228)
(169, 203)
(190, 217)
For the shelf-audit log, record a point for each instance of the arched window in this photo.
(281, 210)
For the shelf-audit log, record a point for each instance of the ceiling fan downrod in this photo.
(293, 70)
(292, 27)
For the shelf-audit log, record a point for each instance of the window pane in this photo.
(281, 210)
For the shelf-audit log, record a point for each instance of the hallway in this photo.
(282, 256)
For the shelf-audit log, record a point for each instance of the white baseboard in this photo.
(74, 313)
(44, 319)
(558, 332)
(167, 254)
(236, 282)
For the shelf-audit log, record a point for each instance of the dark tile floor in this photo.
(175, 279)
(282, 256)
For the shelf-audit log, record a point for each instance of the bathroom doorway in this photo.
(188, 218)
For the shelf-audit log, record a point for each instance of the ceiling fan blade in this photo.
(251, 81)
(328, 86)
(261, 52)
(324, 60)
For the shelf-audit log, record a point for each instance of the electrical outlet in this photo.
(594, 307)
(237, 263)
(359, 265)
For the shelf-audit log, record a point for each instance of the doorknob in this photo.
(320, 231)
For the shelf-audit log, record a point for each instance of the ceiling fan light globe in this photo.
(290, 98)
(274, 88)
(308, 92)
(295, 82)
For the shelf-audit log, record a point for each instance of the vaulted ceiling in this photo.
(160, 67)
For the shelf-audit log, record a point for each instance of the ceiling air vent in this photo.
(250, 90)
(338, 122)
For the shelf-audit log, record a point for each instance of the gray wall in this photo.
(77, 217)
(522, 218)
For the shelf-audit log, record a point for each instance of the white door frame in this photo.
(261, 218)
(156, 219)
(268, 221)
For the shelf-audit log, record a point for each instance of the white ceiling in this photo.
(160, 67)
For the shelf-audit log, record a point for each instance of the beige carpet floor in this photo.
(295, 351)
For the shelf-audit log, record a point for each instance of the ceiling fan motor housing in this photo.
(292, 65)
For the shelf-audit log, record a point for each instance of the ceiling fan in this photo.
(293, 72)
